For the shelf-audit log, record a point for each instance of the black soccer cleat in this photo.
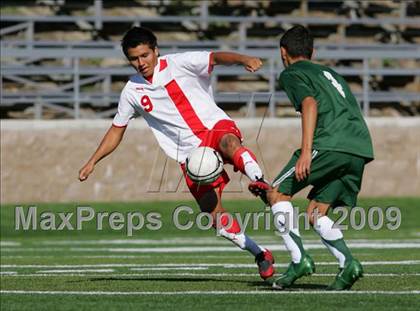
(259, 189)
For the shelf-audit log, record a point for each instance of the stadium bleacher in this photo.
(62, 59)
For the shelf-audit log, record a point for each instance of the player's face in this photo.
(143, 59)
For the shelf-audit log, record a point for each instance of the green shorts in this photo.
(336, 177)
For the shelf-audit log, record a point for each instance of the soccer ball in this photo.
(204, 165)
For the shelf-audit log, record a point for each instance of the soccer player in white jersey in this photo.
(173, 94)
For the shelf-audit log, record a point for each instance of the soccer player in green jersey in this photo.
(335, 147)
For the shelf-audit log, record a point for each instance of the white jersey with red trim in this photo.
(178, 104)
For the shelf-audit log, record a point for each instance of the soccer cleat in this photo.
(295, 271)
(259, 189)
(265, 261)
(347, 276)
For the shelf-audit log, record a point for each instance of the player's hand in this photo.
(303, 165)
(252, 64)
(85, 171)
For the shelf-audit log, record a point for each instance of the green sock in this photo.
(333, 238)
(297, 239)
(339, 249)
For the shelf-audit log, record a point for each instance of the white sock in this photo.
(242, 240)
(324, 227)
(251, 167)
(285, 213)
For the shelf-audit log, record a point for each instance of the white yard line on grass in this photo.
(169, 268)
(151, 275)
(207, 249)
(204, 241)
(115, 265)
(98, 256)
(76, 271)
(8, 272)
(169, 241)
(9, 243)
(34, 249)
(254, 292)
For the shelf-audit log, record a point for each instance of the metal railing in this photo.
(79, 76)
(18, 55)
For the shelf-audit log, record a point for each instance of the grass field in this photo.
(171, 269)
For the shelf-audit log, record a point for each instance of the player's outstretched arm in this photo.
(108, 144)
(250, 63)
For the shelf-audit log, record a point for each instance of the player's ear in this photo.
(283, 52)
(157, 51)
(313, 53)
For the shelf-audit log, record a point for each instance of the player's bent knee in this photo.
(309, 213)
(229, 144)
(274, 197)
(315, 211)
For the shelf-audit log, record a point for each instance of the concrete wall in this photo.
(40, 161)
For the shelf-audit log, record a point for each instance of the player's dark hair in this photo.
(298, 41)
(136, 36)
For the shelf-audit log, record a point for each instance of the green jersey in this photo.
(340, 125)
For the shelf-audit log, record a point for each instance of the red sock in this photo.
(238, 161)
(224, 222)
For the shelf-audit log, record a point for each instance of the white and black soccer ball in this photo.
(204, 165)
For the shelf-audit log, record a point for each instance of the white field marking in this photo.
(8, 272)
(170, 241)
(169, 268)
(9, 243)
(34, 249)
(116, 265)
(145, 256)
(193, 241)
(137, 256)
(200, 274)
(253, 292)
(76, 271)
(373, 274)
(201, 249)
(234, 249)
(102, 256)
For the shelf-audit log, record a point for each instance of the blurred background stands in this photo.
(62, 59)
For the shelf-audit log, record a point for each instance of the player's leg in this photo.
(228, 227)
(226, 138)
(286, 222)
(331, 236)
(350, 269)
(342, 190)
(242, 158)
(210, 202)
(279, 196)
(208, 198)
(245, 161)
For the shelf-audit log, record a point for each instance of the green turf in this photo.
(30, 260)
(213, 302)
